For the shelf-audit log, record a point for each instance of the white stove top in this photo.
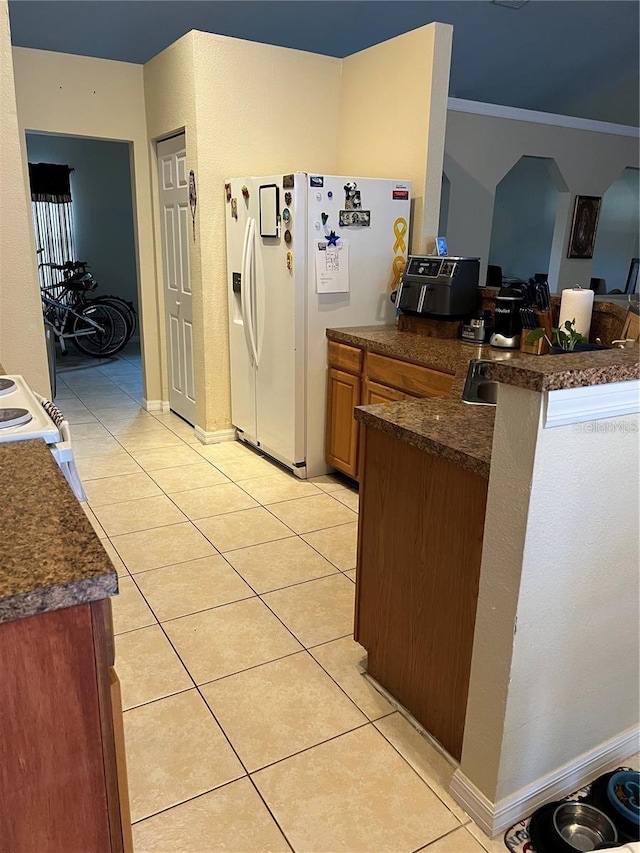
(22, 397)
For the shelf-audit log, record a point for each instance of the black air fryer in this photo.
(508, 324)
(439, 287)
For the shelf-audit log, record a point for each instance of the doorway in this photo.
(94, 224)
(102, 205)
(173, 188)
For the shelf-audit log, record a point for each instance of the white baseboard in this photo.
(497, 817)
(215, 436)
(156, 406)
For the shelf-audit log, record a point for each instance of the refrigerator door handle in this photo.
(248, 288)
(257, 283)
(244, 287)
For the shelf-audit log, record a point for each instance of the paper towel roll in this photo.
(577, 304)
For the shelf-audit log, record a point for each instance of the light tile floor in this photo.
(248, 726)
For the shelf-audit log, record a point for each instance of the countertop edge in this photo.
(369, 417)
(422, 427)
(343, 336)
(584, 377)
(58, 597)
(511, 367)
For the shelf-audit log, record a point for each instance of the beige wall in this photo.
(246, 108)
(393, 114)
(481, 149)
(254, 111)
(169, 98)
(22, 347)
(555, 670)
(261, 110)
(82, 96)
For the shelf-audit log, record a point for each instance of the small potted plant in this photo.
(565, 339)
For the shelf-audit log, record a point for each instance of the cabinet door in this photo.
(373, 392)
(52, 771)
(341, 449)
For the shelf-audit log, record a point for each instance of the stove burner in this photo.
(6, 385)
(14, 418)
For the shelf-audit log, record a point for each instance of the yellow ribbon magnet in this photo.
(399, 265)
(399, 230)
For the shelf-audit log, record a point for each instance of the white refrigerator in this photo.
(304, 252)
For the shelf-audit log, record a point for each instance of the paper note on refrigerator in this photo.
(332, 267)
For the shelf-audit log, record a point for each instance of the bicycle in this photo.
(98, 330)
(79, 271)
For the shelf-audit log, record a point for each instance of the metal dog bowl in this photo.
(583, 827)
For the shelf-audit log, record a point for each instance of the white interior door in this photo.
(175, 218)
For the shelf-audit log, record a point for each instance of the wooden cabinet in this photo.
(374, 392)
(345, 357)
(62, 764)
(420, 537)
(343, 395)
(414, 378)
(359, 378)
(631, 328)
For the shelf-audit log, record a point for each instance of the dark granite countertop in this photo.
(450, 428)
(569, 370)
(50, 556)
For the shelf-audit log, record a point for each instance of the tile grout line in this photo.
(439, 838)
(217, 722)
(268, 808)
(235, 600)
(435, 793)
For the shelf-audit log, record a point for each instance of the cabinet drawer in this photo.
(414, 378)
(373, 392)
(345, 357)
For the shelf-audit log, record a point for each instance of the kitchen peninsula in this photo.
(475, 524)
(62, 765)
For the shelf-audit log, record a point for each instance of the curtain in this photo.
(52, 211)
(50, 182)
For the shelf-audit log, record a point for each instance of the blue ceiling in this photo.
(547, 55)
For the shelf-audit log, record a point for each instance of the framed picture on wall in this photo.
(584, 226)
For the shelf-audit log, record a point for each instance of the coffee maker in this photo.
(508, 323)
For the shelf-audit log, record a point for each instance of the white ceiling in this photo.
(549, 55)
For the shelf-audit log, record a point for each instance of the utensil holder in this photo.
(539, 347)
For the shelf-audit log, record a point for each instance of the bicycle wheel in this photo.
(119, 326)
(94, 337)
(127, 308)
